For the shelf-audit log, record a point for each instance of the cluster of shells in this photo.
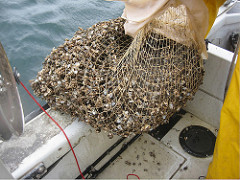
(118, 84)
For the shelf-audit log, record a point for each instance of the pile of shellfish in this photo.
(116, 83)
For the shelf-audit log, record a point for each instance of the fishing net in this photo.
(123, 85)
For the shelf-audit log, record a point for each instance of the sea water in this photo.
(29, 29)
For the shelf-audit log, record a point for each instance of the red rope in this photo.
(57, 125)
(133, 175)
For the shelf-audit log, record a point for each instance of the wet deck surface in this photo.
(36, 133)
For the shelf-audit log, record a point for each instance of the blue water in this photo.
(29, 29)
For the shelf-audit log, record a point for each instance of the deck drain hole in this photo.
(197, 141)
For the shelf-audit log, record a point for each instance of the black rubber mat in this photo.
(162, 130)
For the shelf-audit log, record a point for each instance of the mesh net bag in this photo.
(123, 85)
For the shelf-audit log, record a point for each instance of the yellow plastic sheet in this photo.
(213, 6)
(225, 164)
